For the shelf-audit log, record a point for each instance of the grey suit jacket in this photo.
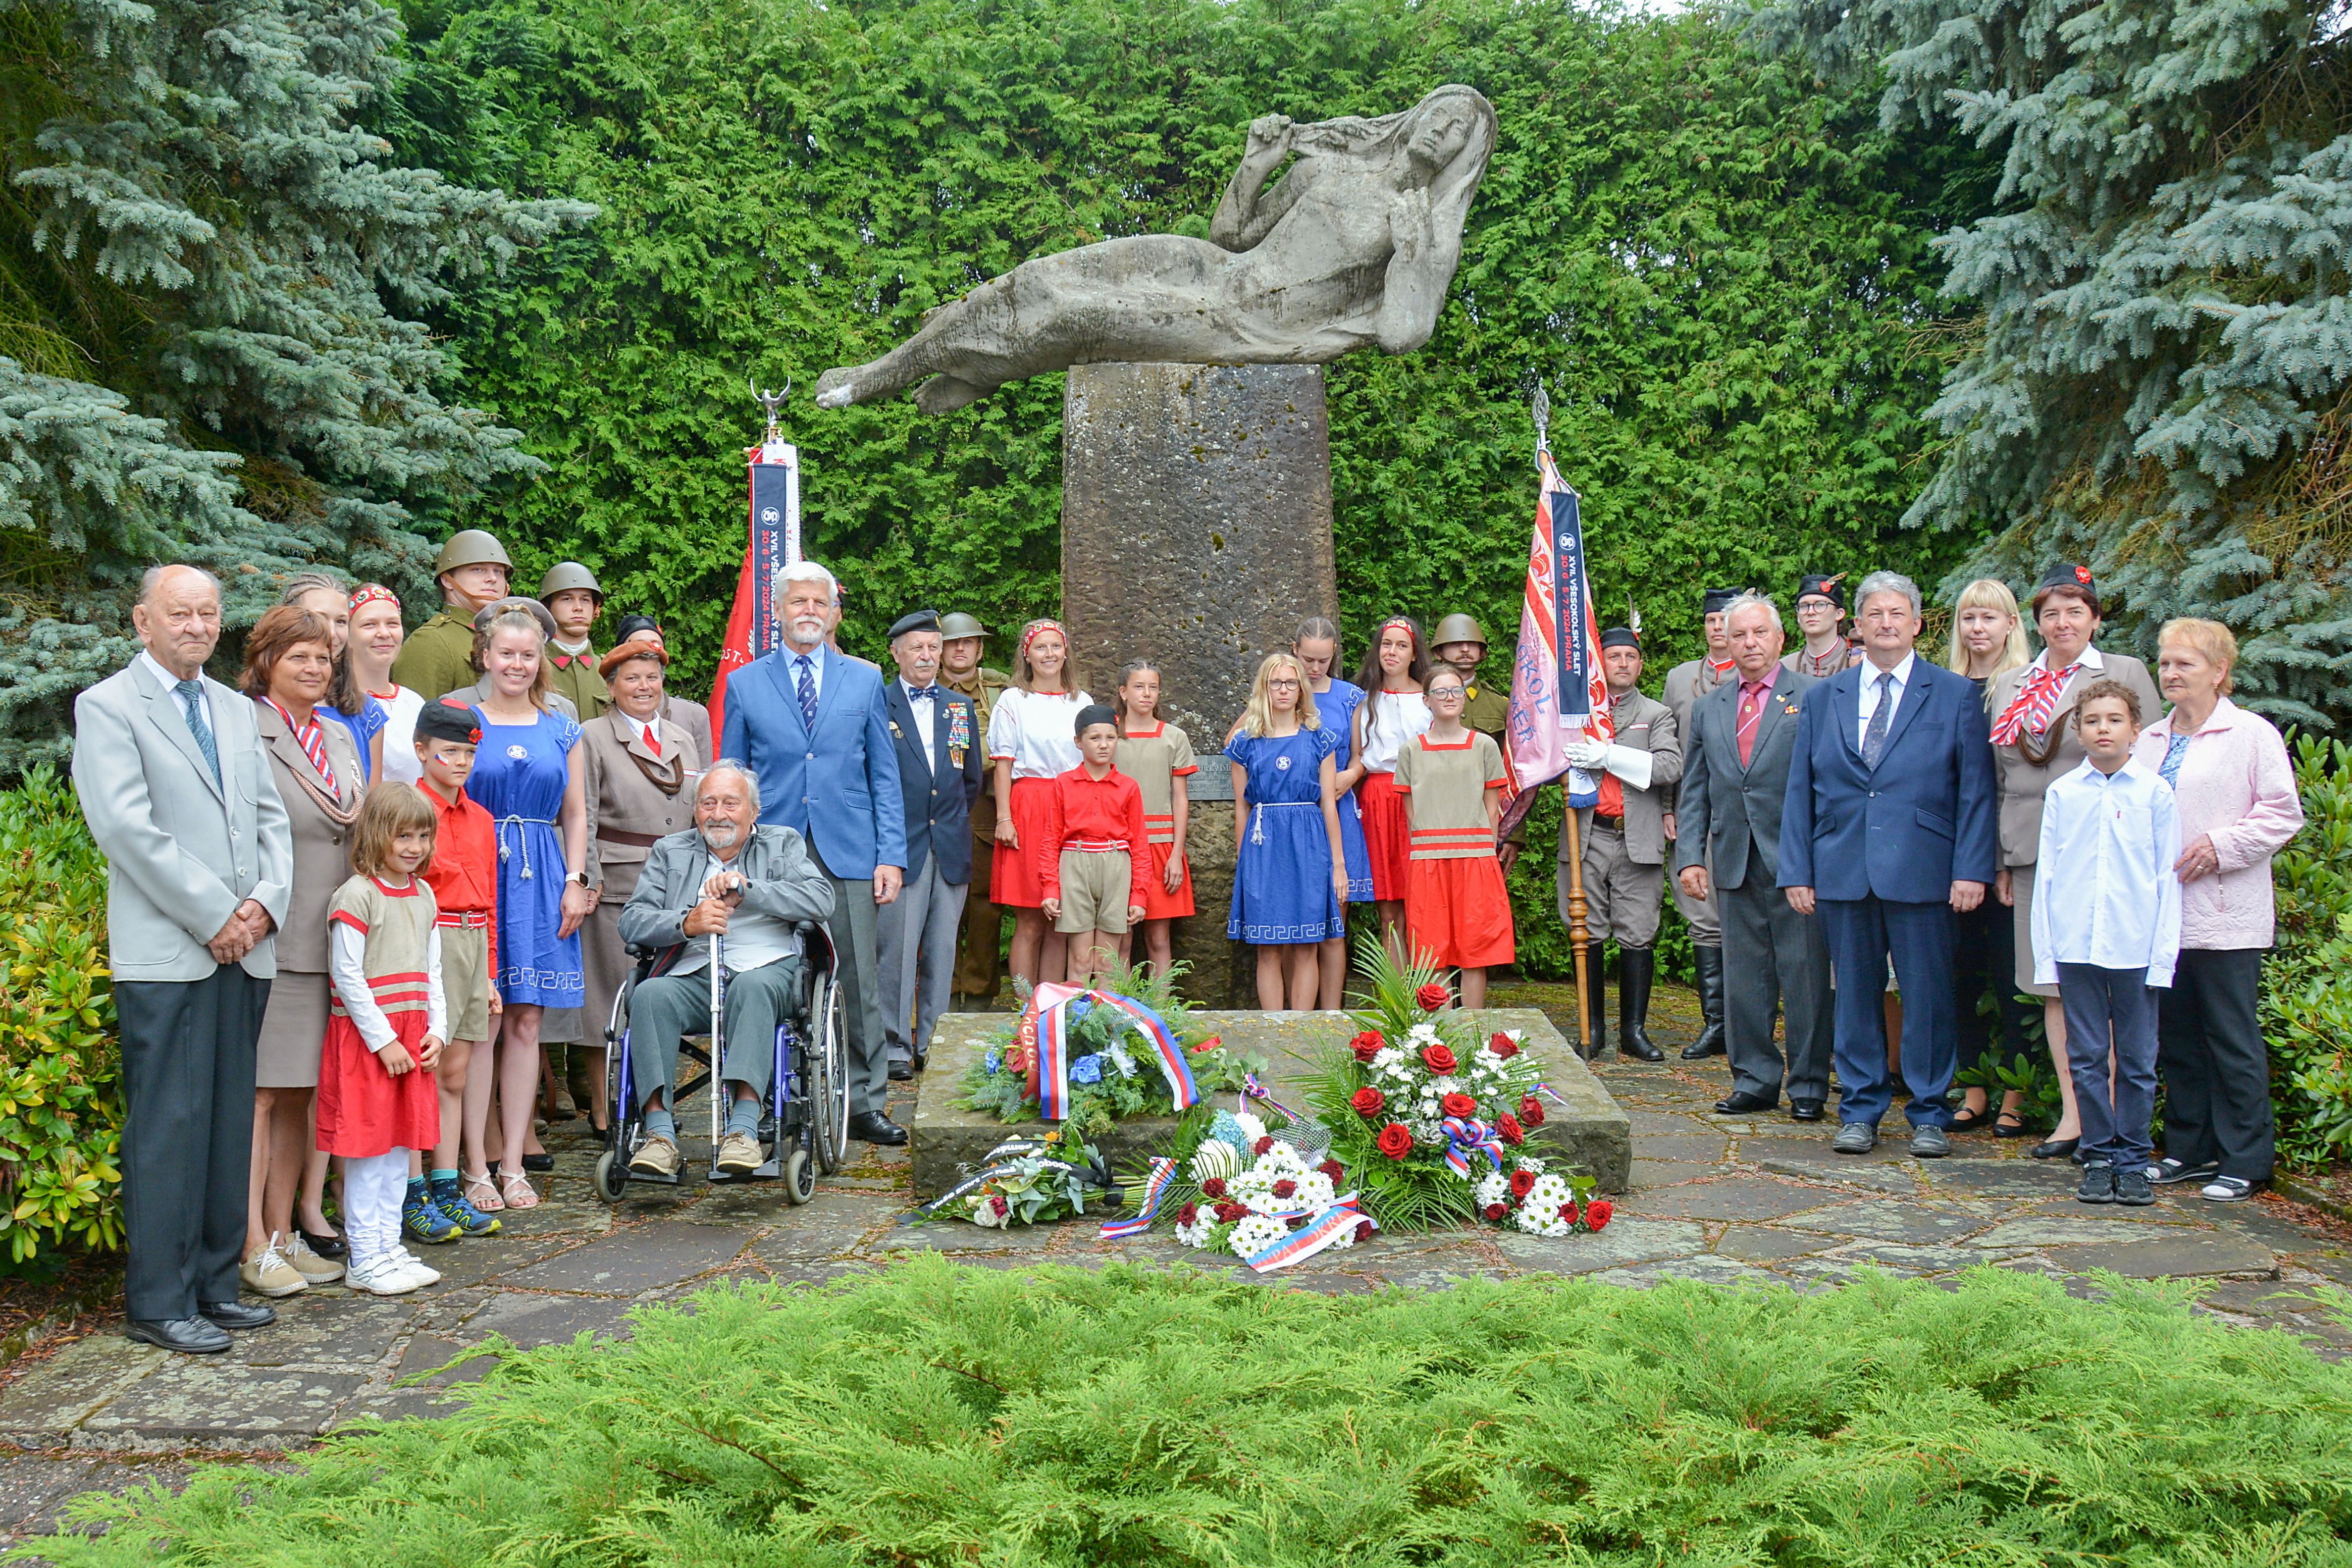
(2022, 783)
(1725, 808)
(781, 879)
(181, 852)
(1646, 725)
(1686, 684)
(623, 800)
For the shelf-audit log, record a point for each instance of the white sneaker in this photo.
(384, 1275)
(425, 1273)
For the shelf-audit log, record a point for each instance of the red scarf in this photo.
(2030, 708)
(312, 739)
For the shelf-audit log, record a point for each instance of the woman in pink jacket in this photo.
(2235, 786)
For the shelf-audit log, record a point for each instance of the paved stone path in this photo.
(1715, 1198)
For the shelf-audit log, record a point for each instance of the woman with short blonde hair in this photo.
(1987, 632)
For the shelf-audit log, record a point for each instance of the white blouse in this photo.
(1037, 731)
(1396, 718)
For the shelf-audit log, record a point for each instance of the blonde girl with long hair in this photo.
(1290, 873)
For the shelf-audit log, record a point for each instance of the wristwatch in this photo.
(579, 877)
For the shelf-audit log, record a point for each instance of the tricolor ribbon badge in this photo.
(1466, 1136)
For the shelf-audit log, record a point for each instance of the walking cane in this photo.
(718, 1048)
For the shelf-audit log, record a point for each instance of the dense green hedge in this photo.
(1721, 266)
(941, 1413)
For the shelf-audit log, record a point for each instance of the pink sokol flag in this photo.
(1559, 695)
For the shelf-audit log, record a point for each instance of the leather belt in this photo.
(464, 920)
(622, 835)
(1617, 822)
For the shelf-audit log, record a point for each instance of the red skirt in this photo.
(1459, 912)
(1388, 835)
(364, 1110)
(1013, 880)
(1158, 903)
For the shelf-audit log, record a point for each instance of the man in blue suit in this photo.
(1887, 829)
(813, 726)
(940, 765)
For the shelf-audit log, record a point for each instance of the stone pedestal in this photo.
(1196, 532)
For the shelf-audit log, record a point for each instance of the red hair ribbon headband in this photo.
(1031, 635)
(373, 593)
(1401, 622)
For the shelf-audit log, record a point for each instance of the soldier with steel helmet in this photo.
(571, 593)
(1461, 643)
(438, 656)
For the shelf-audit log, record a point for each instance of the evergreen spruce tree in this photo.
(2161, 377)
(207, 271)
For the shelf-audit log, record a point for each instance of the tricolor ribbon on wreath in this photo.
(1042, 1044)
(1327, 1227)
(1466, 1136)
(1155, 1188)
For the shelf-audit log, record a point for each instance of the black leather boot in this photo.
(1710, 1005)
(1596, 1000)
(1635, 965)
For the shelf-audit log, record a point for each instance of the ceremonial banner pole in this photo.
(1559, 695)
(772, 540)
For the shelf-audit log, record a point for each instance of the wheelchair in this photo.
(805, 1126)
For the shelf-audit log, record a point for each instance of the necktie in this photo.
(1873, 740)
(807, 683)
(2175, 750)
(1751, 713)
(653, 742)
(192, 697)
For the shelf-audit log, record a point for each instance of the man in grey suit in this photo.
(1625, 843)
(1686, 684)
(1735, 776)
(175, 786)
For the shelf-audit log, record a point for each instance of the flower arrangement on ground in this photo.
(1028, 1180)
(1256, 1186)
(1431, 1117)
(1113, 1073)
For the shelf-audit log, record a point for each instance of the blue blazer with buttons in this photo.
(1906, 830)
(938, 786)
(837, 788)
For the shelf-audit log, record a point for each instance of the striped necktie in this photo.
(192, 697)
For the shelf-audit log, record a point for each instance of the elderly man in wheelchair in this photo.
(752, 885)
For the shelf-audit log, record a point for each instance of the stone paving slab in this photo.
(1754, 1201)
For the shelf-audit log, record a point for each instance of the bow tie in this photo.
(925, 692)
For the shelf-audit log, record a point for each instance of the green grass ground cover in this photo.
(940, 1414)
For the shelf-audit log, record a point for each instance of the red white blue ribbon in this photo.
(1052, 1005)
(1328, 1228)
(1163, 1176)
(1466, 1136)
(1253, 1090)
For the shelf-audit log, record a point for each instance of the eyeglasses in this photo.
(1285, 683)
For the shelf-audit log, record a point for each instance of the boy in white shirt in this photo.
(2107, 932)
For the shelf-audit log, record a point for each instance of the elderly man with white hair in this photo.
(749, 881)
(812, 725)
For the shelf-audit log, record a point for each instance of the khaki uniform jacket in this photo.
(1686, 684)
(577, 679)
(1645, 725)
(322, 845)
(2022, 783)
(1486, 709)
(438, 656)
(985, 686)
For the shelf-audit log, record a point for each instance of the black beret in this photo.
(1095, 713)
(1824, 587)
(630, 625)
(448, 722)
(2067, 574)
(1620, 636)
(915, 621)
(1718, 600)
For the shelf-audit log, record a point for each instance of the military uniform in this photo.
(575, 675)
(978, 948)
(438, 656)
(1486, 708)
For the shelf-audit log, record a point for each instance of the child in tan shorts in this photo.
(1094, 854)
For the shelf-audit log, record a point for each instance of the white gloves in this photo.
(1629, 763)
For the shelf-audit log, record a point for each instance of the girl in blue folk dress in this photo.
(1316, 644)
(1290, 873)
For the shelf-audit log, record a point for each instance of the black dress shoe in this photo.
(240, 1314)
(922, 1060)
(189, 1336)
(538, 1161)
(333, 1247)
(1739, 1102)
(2056, 1149)
(873, 1127)
(1806, 1109)
(901, 1070)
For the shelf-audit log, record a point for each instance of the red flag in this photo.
(773, 540)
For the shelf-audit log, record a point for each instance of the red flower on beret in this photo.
(474, 736)
(2083, 575)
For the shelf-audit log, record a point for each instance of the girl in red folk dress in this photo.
(1392, 716)
(1031, 740)
(378, 1098)
(1157, 756)
(1458, 913)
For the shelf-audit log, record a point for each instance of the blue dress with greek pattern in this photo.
(1282, 884)
(519, 775)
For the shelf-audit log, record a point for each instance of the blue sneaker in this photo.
(451, 1203)
(420, 1220)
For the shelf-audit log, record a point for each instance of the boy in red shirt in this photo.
(465, 882)
(1094, 854)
